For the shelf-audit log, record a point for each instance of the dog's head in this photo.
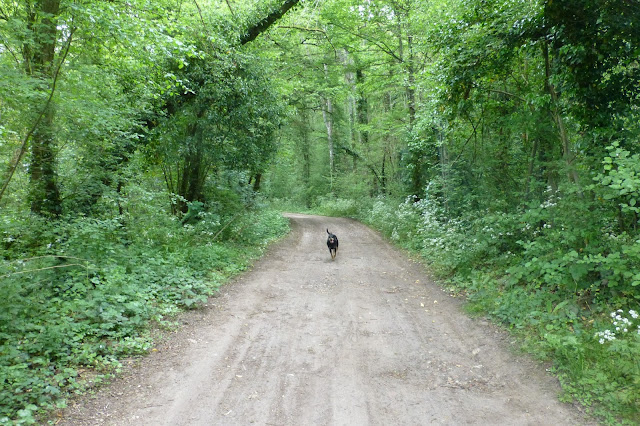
(332, 238)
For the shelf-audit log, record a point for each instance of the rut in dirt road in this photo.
(365, 339)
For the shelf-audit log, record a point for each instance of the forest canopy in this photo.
(143, 143)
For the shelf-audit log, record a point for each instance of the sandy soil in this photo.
(365, 339)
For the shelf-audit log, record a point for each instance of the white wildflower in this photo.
(606, 335)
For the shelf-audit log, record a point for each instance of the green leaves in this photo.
(57, 323)
(224, 120)
(597, 45)
(620, 181)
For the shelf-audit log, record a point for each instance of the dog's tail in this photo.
(328, 231)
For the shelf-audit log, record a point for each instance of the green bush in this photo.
(96, 289)
(330, 206)
(549, 273)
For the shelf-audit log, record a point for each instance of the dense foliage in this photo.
(132, 142)
(96, 289)
(500, 141)
(139, 141)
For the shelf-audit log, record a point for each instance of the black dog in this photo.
(332, 243)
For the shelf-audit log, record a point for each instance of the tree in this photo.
(596, 45)
(39, 61)
(222, 116)
(55, 120)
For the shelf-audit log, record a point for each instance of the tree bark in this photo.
(264, 24)
(351, 101)
(532, 160)
(411, 83)
(567, 151)
(256, 182)
(327, 115)
(304, 146)
(362, 110)
(38, 62)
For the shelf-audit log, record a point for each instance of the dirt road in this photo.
(365, 339)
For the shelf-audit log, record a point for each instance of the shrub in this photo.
(330, 206)
(96, 289)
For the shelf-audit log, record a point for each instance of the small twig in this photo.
(295, 27)
(52, 256)
(44, 269)
(200, 14)
(503, 92)
(231, 10)
(49, 256)
(227, 224)
(15, 57)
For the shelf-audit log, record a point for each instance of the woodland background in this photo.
(147, 148)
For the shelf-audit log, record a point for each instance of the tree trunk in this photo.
(362, 110)
(407, 60)
(411, 84)
(306, 160)
(532, 160)
(383, 175)
(306, 154)
(327, 115)
(567, 150)
(351, 103)
(38, 61)
(256, 182)
(444, 170)
(386, 105)
(264, 24)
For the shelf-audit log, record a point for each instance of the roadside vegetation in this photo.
(132, 139)
(99, 291)
(538, 285)
(530, 278)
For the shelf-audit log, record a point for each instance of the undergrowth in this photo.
(79, 295)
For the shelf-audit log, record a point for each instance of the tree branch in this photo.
(295, 27)
(356, 155)
(381, 45)
(23, 146)
(265, 23)
(231, 10)
(6, 45)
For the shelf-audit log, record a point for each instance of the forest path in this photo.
(365, 339)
